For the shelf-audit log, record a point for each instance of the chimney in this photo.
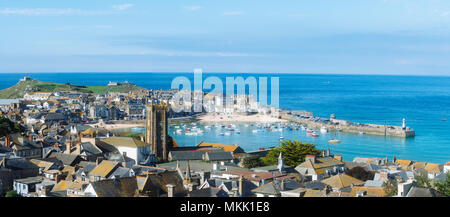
(57, 178)
(241, 186)
(44, 191)
(310, 157)
(170, 190)
(68, 145)
(7, 142)
(338, 157)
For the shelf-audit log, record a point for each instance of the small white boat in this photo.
(227, 133)
(254, 131)
(179, 131)
(361, 132)
(221, 134)
(238, 132)
(281, 138)
(323, 130)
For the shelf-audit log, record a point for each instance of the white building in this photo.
(130, 147)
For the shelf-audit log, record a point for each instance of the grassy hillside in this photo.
(19, 90)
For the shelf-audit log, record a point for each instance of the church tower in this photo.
(156, 129)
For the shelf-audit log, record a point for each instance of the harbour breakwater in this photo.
(333, 124)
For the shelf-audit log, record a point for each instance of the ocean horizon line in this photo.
(263, 73)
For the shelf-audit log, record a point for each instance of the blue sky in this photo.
(287, 36)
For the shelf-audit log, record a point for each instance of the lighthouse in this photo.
(404, 123)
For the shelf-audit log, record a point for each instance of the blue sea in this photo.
(380, 99)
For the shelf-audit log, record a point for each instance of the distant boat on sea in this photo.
(315, 135)
(323, 130)
(334, 141)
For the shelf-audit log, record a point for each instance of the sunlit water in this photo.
(423, 101)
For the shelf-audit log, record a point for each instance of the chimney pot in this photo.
(170, 190)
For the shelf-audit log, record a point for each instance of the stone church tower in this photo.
(156, 133)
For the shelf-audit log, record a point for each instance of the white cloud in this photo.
(48, 12)
(122, 7)
(193, 8)
(233, 13)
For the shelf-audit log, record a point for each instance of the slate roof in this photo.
(320, 164)
(342, 181)
(104, 169)
(219, 156)
(160, 181)
(55, 117)
(208, 192)
(314, 185)
(9, 101)
(63, 185)
(121, 172)
(271, 188)
(187, 155)
(228, 148)
(372, 183)
(125, 141)
(90, 148)
(67, 159)
(369, 191)
(120, 187)
(30, 180)
(42, 164)
(255, 176)
(315, 193)
(141, 170)
(19, 164)
(416, 191)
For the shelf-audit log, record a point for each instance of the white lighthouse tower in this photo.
(404, 123)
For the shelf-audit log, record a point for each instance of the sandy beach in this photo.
(239, 118)
(117, 126)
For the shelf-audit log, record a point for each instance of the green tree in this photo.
(294, 153)
(252, 162)
(444, 186)
(390, 187)
(8, 127)
(423, 181)
(12, 193)
(360, 173)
